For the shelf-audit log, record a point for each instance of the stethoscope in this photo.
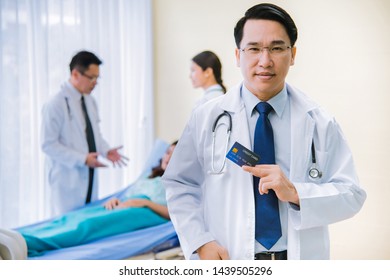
(314, 172)
(228, 132)
(68, 107)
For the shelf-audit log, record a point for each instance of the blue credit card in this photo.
(242, 156)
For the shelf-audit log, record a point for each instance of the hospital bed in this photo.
(158, 242)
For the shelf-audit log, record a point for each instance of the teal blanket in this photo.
(85, 225)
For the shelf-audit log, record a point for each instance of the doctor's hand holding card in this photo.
(271, 176)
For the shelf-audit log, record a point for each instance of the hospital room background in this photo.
(145, 92)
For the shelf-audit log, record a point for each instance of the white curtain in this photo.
(37, 41)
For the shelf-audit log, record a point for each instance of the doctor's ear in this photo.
(237, 54)
(74, 73)
(293, 53)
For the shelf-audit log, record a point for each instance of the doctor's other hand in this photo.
(272, 177)
(116, 158)
(212, 251)
(92, 160)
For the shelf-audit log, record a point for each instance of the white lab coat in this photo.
(210, 93)
(205, 207)
(66, 148)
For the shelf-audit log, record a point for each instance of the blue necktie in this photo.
(268, 229)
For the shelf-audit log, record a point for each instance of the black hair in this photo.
(157, 171)
(208, 59)
(269, 12)
(82, 60)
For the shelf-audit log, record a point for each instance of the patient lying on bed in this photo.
(144, 206)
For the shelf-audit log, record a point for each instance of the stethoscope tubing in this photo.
(228, 131)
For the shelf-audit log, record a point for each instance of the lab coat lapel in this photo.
(302, 130)
(233, 104)
(75, 108)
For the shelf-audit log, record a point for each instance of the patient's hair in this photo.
(157, 171)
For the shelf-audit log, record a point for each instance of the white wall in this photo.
(342, 59)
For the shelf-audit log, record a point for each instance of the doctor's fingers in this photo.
(91, 159)
(284, 188)
(117, 148)
(224, 254)
(274, 179)
(212, 251)
(261, 170)
(116, 157)
(265, 184)
(119, 163)
(123, 157)
(99, 164)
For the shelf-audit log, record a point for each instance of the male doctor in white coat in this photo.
(70, 163)
(213, 211)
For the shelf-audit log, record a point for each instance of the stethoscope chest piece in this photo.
(314, 173)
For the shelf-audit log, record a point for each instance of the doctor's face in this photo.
(85, 81)
(265, 56)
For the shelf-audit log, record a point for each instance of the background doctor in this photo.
(71, 159)
(214, 214)
(206, 73)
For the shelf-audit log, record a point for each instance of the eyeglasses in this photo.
(276, 50)
(91, 79)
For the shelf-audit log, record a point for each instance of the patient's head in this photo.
(159, 170)
(167, 156)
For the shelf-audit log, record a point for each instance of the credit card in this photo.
(242, 156)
